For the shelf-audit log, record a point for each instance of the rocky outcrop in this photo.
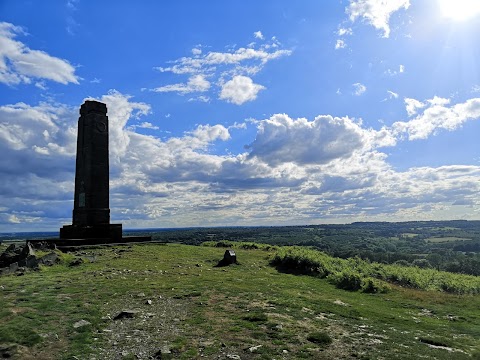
(19, 257)
(15, 253)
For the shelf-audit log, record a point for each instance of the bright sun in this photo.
(459, 9)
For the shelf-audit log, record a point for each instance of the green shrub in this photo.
(356, 274)
(224, 244)
(240, 245)
(346, 280)
(373, 286)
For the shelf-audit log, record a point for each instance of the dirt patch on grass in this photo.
(151, 329)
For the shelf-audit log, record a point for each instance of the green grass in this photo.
(229, 310)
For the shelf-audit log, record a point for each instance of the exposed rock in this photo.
(9, 256)
(233, 357)
(76, 262)
(229, 258)
(126, 314)
(13, 267)
(81, 323)
(452, 317)
(163, 353)
(16, 258)
(254, 348)
(340, 302)
(43, 245)
(7, 351)
(30, 262)
(27, 251)
(15, 253)
(49, 259)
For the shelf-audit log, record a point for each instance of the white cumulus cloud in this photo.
(282, 139)
(258, 35)
(436, 115)
(20, 64)
(240, 90)
(412, 106)
(376, 12)
(294, 171)
(196, 83)
(228, 71)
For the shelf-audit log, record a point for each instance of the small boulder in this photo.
(49, 259)
(7, 351)
(27, 251)
(81, 323)
(43, 245)
(229, 258)
(254, 348)
(126, 314)
(233, 357)
(13, 267)
(30, 262)
(14, 253)
(76, 262)
(163, 353)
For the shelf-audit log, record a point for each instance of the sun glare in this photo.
(459, 10)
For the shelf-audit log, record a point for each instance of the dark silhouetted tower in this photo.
(91, 212)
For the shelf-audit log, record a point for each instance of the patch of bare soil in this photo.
(146, 332)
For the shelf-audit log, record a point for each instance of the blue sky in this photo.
(244, 113)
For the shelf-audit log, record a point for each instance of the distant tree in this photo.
(435, 260)
(422, 263)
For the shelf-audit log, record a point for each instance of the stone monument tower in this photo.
(91, 212)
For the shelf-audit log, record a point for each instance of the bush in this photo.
(224, 244)
(356, 274)
(249, 246)
(373, 286)
(347, 280)
(240, 245)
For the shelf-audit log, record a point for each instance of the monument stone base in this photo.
(106, 232)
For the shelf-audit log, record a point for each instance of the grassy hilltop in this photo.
(182, 306)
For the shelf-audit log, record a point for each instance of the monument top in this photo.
(92, 106)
